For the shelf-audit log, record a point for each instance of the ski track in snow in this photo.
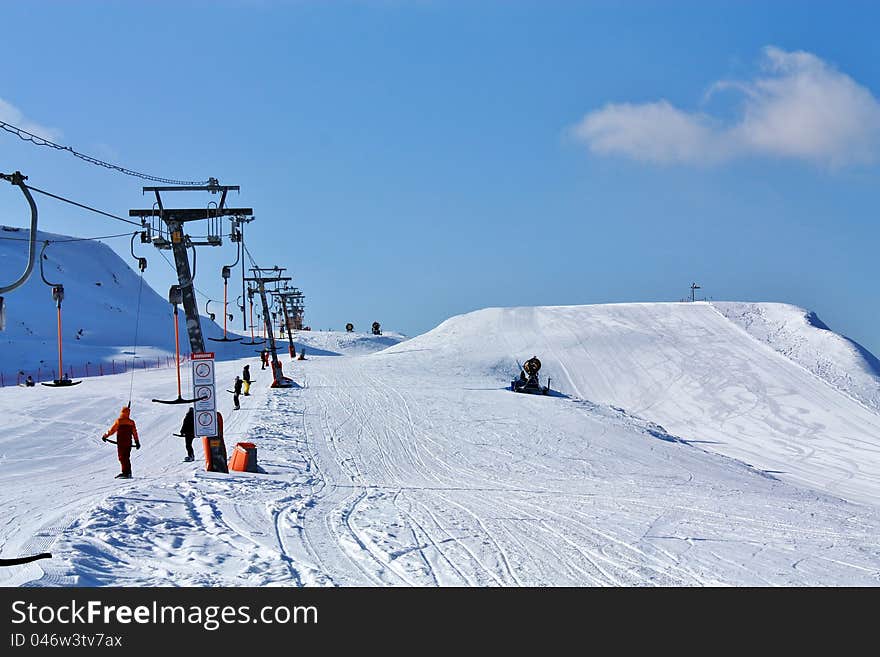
(408, 469)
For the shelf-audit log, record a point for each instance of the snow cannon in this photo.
(528, 381)
(377, 328)
(349, 327)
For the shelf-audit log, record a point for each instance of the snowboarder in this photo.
(29, 381)
(264, 358)
(236, 391)
(188, 431)
(125, 430)
(246, 380)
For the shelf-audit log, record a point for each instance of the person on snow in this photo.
(236, 391)
(188, 431)
(246, 380)
(264, 358)
(29, 381)
(126, 431)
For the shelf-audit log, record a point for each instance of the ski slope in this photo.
(690, 369)
(414, 465)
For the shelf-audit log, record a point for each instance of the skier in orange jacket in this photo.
(126, 431)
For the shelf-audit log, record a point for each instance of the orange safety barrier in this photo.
(244, 458)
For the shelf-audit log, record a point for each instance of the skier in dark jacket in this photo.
(126, 431)
(246, 378)
(236, 391)
(264, 358)
(188, 431)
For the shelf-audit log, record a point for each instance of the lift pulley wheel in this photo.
(175, 295)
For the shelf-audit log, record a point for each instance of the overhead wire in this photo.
(24, 135)
(70, 239)
(83, 206)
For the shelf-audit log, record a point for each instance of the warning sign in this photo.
(205, 398)
(203, 372)
(206, 423)
(204, 394)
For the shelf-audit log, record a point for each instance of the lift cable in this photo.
(71, 239)
(24, 135)
(137, 324)
(84, 207)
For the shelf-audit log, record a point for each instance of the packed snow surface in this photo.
(683, 449)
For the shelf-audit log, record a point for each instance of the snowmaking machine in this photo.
(528, 381)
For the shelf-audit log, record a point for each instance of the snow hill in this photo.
(784, 395)
(804, 338)
(100, 310)
(99, 307)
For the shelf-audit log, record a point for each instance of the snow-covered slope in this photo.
(99, 307)
(344, 343)
(416, 466)
(684, 366)
(804, 338)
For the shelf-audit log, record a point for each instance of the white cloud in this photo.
(798, 107)
(9, 113)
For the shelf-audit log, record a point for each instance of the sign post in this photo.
(207, 424)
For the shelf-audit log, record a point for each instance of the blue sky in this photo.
(408, 161)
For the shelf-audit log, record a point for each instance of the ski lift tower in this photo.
(165, 226)
(261, 279)
(694, 288)
(290, 300)
(294, 302)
